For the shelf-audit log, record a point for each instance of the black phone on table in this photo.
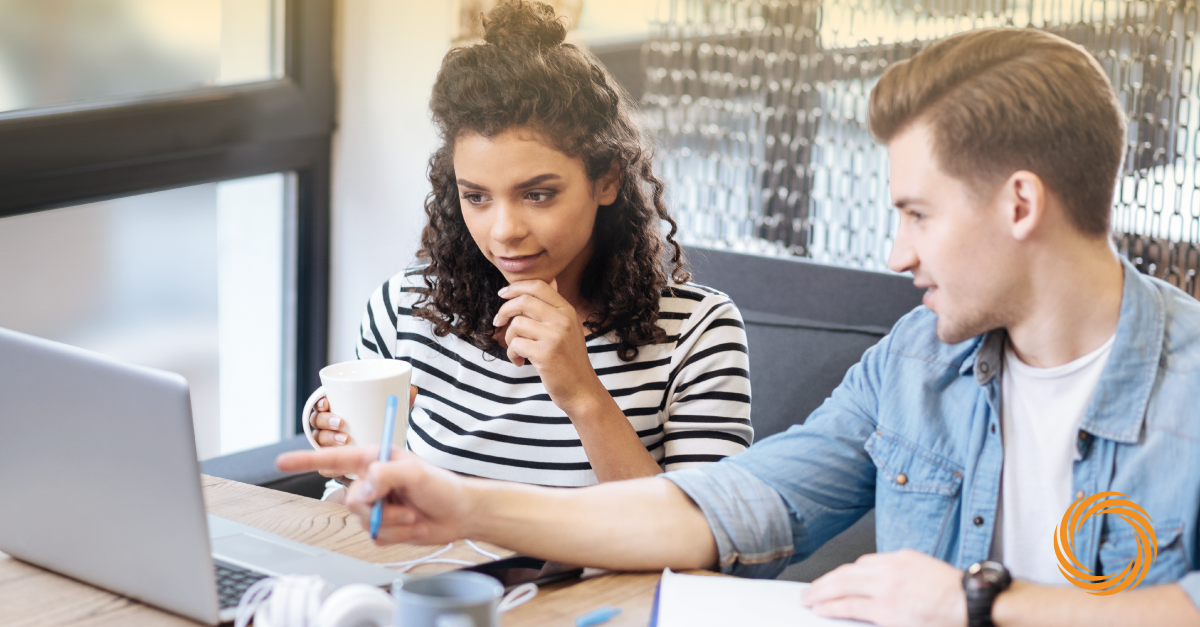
(520, 569)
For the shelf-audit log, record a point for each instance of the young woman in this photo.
(553, 335)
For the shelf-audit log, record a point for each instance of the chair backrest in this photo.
(806, 324)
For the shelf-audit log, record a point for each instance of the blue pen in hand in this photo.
(385, 454)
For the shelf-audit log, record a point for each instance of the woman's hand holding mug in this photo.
(327, 427)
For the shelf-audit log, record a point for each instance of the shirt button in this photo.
(1079, 495)
(978, 521)
(993, 427)
(984, 367)
(901, 479)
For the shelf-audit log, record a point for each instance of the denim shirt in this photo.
(913, 431)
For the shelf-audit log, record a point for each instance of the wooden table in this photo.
(31, 596)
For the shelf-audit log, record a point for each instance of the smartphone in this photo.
(519, 569)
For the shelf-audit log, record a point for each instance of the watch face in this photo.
(988, 574)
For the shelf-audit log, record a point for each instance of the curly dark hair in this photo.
(525, 76)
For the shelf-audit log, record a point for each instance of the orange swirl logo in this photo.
(1104, 503)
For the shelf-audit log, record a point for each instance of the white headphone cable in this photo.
(518, 596)
(434, 558)
(482, 552)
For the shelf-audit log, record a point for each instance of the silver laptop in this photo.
(99, 481)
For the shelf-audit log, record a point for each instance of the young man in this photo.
(1041, 369)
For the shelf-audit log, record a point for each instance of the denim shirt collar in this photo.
(1119, 404)
(986, 360)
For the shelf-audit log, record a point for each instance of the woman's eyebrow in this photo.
(541, 178)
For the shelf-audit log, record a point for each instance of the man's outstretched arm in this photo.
(642, 524)
(911, 589)
(1030, 605)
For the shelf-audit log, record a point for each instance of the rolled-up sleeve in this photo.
(787, 495)
(748, 518)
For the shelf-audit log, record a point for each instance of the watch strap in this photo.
(982, 583)
(979, 608)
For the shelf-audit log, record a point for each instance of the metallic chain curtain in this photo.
(761, 112)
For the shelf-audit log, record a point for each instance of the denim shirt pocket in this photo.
(916, 495)
(1119, 545)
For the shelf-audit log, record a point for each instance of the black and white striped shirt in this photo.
(478, 414)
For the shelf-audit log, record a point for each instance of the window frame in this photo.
(66, 155)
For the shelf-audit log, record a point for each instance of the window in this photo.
(192, 280)
(175, 203)
(55, 52)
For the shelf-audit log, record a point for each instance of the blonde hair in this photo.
(1002, 100)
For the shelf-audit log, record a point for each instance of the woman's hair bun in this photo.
(518, 23)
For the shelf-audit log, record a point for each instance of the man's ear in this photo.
(1024, 201)
(609, 185)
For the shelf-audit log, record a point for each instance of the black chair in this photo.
(806, 324)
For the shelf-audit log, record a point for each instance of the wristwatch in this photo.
(982, 582)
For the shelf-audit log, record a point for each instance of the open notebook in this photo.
(703, 601)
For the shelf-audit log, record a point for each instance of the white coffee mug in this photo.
(358, 391)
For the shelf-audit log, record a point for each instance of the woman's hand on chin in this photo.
(544, 329)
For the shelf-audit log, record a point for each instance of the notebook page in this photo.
(704, 601)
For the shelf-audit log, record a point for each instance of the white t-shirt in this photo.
(1040, 411)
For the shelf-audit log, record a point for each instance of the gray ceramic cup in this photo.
(455, 599)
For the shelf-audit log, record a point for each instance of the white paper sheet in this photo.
(703, 601)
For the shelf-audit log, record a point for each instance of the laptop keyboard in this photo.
(232, 582)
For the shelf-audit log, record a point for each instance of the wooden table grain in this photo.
(31, 596)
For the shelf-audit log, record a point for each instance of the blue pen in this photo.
(595, 617)
(385, 454)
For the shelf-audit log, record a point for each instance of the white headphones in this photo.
(310, 601)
